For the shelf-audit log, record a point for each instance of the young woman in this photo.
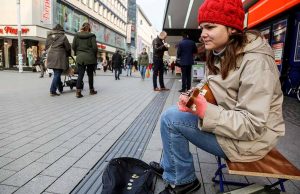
(143, 61)
(247, 122)
(59, 49)
(85, 49)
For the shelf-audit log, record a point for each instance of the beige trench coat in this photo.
(248, 120)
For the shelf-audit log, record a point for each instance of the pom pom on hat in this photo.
(226, 12)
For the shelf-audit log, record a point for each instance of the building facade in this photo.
(145, 34)
(108, 19)
(140, 31)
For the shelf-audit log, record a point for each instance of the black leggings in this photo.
(90, 72)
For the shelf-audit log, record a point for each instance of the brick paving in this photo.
(48, 144)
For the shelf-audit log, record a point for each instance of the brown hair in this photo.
(237, 41)
(86, 27)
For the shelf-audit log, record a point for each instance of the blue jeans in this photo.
(129, 69)
(56, 81)
(177, 130)
(143, 71)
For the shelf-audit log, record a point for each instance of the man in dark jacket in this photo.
(117, 64)
(186, 49)
(85, 49)
(58, 49)
(129, 64)
(159, 47)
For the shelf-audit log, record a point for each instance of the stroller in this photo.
(71, 75)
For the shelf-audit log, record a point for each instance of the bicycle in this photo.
(290, 88)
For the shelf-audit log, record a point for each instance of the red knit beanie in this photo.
(226, 12)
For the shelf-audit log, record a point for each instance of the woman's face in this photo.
(214, 36)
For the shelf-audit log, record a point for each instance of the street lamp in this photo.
(20, 57)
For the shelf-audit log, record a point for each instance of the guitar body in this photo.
(204, 91)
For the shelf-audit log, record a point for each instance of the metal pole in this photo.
(20, 57)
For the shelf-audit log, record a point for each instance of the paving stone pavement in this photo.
(48, 144)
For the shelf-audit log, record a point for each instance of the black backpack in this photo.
(127, 176)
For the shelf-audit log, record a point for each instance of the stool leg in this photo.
(281, 185)
(220, 175)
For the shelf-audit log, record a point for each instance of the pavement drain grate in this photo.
(132, 143)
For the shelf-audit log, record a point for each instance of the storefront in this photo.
(33, 41)
(279, 23)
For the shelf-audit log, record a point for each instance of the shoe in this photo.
(93, 92)
(156, 89)
(165, 89)
(41, 76)
(61, 89)
(50, 74)
(182, 91)
(157, 169)
(118, 78)
(54, 94)
(182, 189)
(78, 93)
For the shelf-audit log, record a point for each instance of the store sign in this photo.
(11, 30)
(101, 46)
(46, 11)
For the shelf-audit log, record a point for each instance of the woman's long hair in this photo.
(86, 27)
(237, 41)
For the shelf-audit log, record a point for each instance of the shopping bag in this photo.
(148, 72)
(133, 69)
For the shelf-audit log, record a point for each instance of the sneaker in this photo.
(182, 189)
(156, 89)
(54, 94)
(157, 169)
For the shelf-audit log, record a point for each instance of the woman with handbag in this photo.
(246, 121)
(58, 49)
(85, 49)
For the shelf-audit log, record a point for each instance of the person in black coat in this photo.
(159, 47)
(185, 51)
(117, 64)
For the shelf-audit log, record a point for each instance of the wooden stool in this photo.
(273, 165)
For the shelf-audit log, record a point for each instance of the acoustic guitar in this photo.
(204, 91)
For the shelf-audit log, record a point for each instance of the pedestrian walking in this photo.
(159, 47)
(129, 64)
(85, 49)
(59, 49)
(246, 122)
(185, 51)
(117, 64)
(43, 59)
(143, 61)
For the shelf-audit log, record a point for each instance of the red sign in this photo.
(101, 46)
(46, 12)
(11, 30)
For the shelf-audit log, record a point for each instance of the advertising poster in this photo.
(119, 41)
(198, 70)
(297, 47)
(97, 29)
(76, 22)
(278, 40)
(109, 37)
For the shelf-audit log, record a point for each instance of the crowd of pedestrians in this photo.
(55, 57)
